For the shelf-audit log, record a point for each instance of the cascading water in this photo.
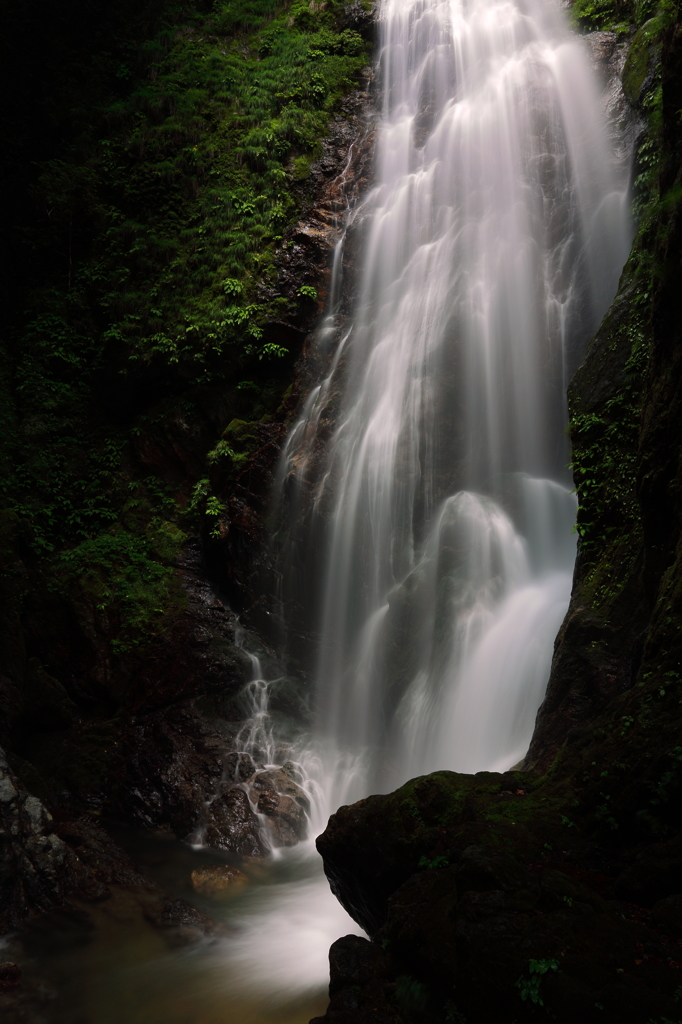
(426, 511)
(435, 534)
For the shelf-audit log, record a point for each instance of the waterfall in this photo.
(428, 545)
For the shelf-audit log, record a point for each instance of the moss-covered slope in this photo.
(164, 160)
(159, 155)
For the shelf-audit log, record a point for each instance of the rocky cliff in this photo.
(165, 267)
(556, 889)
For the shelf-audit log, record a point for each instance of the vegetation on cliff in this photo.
(159, 153)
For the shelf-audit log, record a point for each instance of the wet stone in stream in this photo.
(285, 805)
(232, 824)
(220, 881)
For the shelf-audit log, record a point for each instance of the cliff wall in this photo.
(177, 173)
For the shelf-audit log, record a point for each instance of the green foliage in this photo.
(410, 995)
(151, 207)
(529, 987)
(435, 862)
(128, 576)
(591, 15)
(604, 452)
(453, 1015)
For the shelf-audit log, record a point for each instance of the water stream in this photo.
(428, 543)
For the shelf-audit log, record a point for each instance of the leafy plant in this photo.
(529, 987)
(435, 862)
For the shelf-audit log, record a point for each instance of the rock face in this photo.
(238, 548)
(476, 913)
(37, 868)
(619, 645)
(146, 734)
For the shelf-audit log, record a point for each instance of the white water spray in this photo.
(431, 550)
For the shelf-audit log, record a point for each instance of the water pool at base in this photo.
(269, 965)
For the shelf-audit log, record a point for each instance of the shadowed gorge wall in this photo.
(175, 171)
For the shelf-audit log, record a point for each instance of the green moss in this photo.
(126, 576)
(150, 216)
(301, 167)
(639, 57)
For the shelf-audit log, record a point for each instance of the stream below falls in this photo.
(270, 966)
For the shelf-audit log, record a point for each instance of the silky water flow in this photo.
(424, 503)
(435, 530)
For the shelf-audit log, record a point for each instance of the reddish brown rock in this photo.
(10, 977)
(285, 805)
(218, 881)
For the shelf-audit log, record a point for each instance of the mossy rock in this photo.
(643, 49)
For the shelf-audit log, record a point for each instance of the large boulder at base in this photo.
(362, 984)
(476, 913)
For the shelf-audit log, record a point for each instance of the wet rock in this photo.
(239, 767)
(37, 868)
(285, 805)
(181, 922)
(218, 881)
(232, 825)
(290, 769)
(106, 862)
(361, 983)
(172, 768)
(471, 918)
(667, 914)
(421, 923)
(10, 976)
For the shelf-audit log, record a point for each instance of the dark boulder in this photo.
(473, 913)
(362, 983)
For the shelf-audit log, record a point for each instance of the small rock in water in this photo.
(10, 976)
(291, 769)
(220, 881)
(285, 805)
(667, 914)
(181, 923)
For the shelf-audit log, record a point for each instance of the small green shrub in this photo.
(529, 987)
